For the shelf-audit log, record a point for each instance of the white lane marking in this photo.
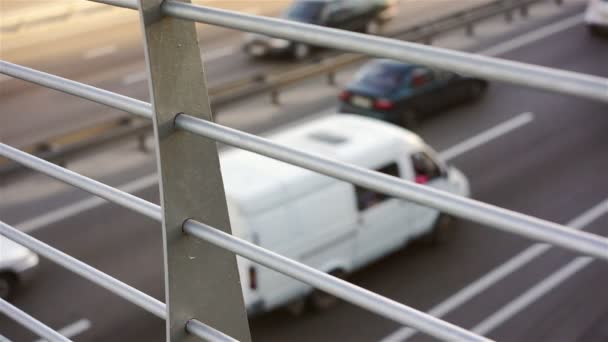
(530, 296)
(73, 209)
(486, 136)
(4, 339)
(100, 52)
(499, 273)
(219, 53)
(533, 36)
(73, 329)
(135, 77)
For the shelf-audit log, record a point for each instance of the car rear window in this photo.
(306, 11)
(385, 76)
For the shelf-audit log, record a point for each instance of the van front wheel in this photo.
(320, 300)
(440, 230)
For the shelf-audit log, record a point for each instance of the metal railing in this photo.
(198, 223)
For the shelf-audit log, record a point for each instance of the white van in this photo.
(331, 225)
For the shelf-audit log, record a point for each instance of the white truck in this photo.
(331, 225)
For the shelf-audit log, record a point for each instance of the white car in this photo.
(17, 264)
(596, 16)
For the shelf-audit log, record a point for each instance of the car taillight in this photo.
(383, 104)
(253, 278)
(345, 95)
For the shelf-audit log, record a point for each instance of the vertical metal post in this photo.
(201, 280)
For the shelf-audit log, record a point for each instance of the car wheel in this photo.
(409, 119)
(320, 300)
(373, 27)
(7, 285)
(296, 307)
(475, 90)
(301, 51)
(440, 229)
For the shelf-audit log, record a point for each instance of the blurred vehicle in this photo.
(596, 16)
(399, 93)
(17, 264)
(331, 225)
(354, 15)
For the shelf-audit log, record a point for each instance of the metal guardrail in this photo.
(51, 150)
(188, 163)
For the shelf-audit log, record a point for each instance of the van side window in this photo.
(425, 169)
(367, 198)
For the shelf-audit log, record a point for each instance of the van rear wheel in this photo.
(7, 285)
(320, 300)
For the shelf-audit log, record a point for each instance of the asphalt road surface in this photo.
(550, 164)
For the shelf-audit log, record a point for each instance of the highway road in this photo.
(114, 60)
(531, 151)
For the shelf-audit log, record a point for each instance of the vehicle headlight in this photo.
(279, 43)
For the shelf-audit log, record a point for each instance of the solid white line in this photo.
(99, 52)
(219, 53)
(499, 273)
(65, 212)
(530, 296)
(486, 136)
(74, 329)
(533, 36)
(135, 77)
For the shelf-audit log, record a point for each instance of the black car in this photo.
(400, 93)
(363, 16)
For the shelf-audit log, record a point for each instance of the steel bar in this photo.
(113, 285)
(30, 323)
(82, 90)
(206, 333)
(335, 286)
(90, 185)
(466, 208)
(466, 63)
(199, 277)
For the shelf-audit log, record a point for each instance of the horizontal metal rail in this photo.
(473, 210)
(90, 185)
(466, 63)
(82, 90)
(114, 285)
(30, 323)
(342, 289)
